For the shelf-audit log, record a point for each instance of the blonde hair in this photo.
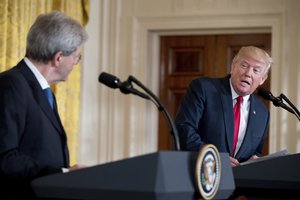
(255, 53)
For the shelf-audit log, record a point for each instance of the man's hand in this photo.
(76, 167)
(253, 157)
(234, 162)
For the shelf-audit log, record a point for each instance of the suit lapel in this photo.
(43, 102)
(226, 100)
(55, 111)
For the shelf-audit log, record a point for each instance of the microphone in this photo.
(277, 101)
(109, 80)
(267, 95)
(125, 87)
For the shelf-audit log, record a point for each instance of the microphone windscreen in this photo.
(108, 80)
(264, 94)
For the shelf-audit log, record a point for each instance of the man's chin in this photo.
(244, 92)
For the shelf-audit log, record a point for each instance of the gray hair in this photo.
(51, 33)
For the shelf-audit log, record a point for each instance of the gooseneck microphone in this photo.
(267, 95)
(109, 80)
(125, 87)
(277, 101)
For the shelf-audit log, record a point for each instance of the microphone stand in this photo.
(279, 103)
(161, 107)
(294, 109)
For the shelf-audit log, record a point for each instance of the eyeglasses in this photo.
(78, 58)
(73, 56)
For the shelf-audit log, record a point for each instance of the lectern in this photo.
(163, 175)
(276, 178)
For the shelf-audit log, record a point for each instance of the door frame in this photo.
(154, 60)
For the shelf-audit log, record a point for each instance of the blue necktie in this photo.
(49, 96)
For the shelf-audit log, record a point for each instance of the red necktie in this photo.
(237, 117)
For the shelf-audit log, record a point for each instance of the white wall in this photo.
(124, 40)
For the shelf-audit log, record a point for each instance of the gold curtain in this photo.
(16, 17)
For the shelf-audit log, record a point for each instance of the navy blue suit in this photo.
(33, 142)
(205, 116)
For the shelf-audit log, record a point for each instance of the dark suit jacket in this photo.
(33, 142)
(206, 117)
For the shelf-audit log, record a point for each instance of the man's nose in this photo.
(249, 71)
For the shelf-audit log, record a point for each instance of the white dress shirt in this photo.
(245, 106)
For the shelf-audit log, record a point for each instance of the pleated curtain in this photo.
(16, 17)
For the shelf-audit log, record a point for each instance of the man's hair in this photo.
(51, 33)
(255, 53)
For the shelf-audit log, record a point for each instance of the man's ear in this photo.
(57, 58)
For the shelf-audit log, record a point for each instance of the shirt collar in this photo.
(41, 79)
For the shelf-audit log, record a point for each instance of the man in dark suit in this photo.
(206, 113)
(33, 142)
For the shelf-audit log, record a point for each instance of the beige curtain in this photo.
(16, 16)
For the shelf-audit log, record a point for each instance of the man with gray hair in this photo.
(33, 142)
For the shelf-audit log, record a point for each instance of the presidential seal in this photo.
(208, 171)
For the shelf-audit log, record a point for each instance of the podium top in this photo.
(163, 175)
